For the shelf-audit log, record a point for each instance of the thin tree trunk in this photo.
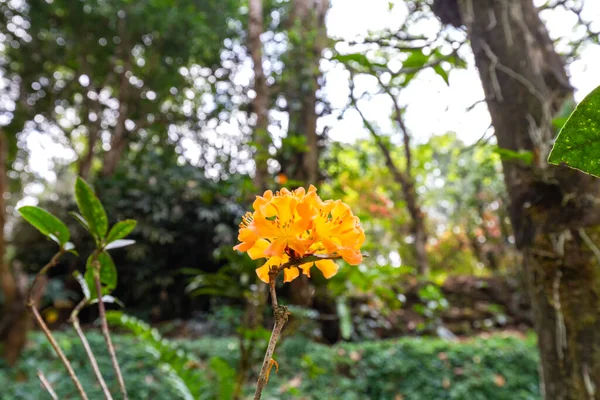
(554, 210)
(261, 99)
(308, 38)
(15, 320)
(85, 164)
(407, 185)
(119, 140)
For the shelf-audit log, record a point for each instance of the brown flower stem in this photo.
(40, 321)
(273, 293)
(46, 385)
(75, 322)
(106, 331)
(281, 316)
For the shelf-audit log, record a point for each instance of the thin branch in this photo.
(400, 121)
(398, 175)
(38, 318)
(281, 316)
(75, 322)
(273, 293)
(106, 331)
(46, 385)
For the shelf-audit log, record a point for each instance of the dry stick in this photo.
(46, 385)
(88, 349)
(106, 331)
(281, 316)
(36, 314)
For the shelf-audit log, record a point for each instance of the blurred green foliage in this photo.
(183, 218)
(496, 368)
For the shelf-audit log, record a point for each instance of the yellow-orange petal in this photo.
(246, 235)
(300, 192)
(330, 245)
(299, 246)
(306, 268)
(258, 250)
(262, 200)
(289, 274)
(328, 267)
(276, 248)
(265, 228)
(352, 257)
(243, 246)
(263, 272)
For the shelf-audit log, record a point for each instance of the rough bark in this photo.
(308, 39)
(260, 102)
(553, 210)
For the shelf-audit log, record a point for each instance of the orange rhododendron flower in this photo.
(290, 225)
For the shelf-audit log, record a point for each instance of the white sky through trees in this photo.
(433, 107)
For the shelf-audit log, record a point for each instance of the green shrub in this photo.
(409, 368)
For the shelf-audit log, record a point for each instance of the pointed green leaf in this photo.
(46, 223)
(442, 73)
(84, 285)
(108, 274)
(91, 209)
(578, 143)
(119, 243)
(81, 220)
(120, 230)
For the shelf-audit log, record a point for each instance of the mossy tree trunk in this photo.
(554, 210)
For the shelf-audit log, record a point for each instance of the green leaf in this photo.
(108, 274)
(358, 58)
(46, 223)
(578, 143)
(224, 376)
(81, 220)
(442, 72)
(91, 209)
(120, 230)
(84, 285)
(119, 243)
(511, 155)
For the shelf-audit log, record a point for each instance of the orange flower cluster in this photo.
(289, 225)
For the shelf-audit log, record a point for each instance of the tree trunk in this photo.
(553, 209)
(85, 164)
(261, 99)
(307, 39)
(15, 321)
(119, 140)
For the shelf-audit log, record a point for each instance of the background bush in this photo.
(502, 368)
